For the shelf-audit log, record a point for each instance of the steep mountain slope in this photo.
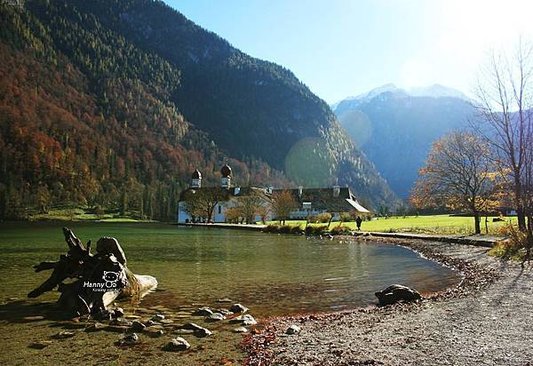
(124, 98)
(395, 128)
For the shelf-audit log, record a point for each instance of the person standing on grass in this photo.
(358, 221)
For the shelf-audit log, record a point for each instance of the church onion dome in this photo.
(225, 171)
(196, 174)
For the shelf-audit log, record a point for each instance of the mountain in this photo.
(437, 91)
(395, 127)
(113, 103)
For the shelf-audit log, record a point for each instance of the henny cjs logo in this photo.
(111, 281)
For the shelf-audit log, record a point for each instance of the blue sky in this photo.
(341, 48)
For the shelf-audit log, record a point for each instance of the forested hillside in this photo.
(113, 104)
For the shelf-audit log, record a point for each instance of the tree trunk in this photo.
(520, 214)
(529, 239)
(521, 218)
(477, 223)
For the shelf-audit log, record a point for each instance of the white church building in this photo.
(311, 201)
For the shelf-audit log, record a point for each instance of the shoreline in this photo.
(391, 335)
(476, 240)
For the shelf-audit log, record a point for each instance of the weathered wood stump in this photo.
(99, 278)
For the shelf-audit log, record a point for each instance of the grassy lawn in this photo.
(434, 224)
(78, 214)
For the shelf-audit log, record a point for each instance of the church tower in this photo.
(225, 181)
(196, 179)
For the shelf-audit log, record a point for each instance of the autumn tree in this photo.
(458, 175)
(202, 202)
(43, 198)
(250, 206)
(505, 105)
(233, 215)
(283, 203)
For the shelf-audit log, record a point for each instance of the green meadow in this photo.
(432, 224)
(428, 224)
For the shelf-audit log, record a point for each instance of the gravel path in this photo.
(487, 320)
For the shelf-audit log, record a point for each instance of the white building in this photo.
(224, 198)
(310, 201)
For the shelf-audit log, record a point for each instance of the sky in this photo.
(342, 48)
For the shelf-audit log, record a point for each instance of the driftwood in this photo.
(98, 278)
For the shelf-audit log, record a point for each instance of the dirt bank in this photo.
(487, 320)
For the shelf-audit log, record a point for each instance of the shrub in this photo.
(340, 230)
(296, 230)
(316, 230)
(285, 229)
(507, 249)
(323, 217)
(272, 228)
(514, 247)
(346, 217)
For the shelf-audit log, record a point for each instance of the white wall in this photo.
(183, 216)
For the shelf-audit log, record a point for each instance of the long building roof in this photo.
(319, 198)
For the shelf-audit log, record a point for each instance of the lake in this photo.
(271, 274)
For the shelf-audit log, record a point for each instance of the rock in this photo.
(190, 326)
(158, 317)
(129, 340)
(118, 313)
(150, 322)
(40, 344)
(121, 322)
(137, 326)
(203, 332)
(143, 311)
(224, 312)
(95, 327)
(215, 317)
(166, 321)
(293, 329)
(395, 293)
(246, 320)
(238, 308)
(71, 325)
(205, 311)
(117, 328)
(176, 345)
(154, 331)
(159, 307)
(104, 315)
(197, 330)
(65, 334)
(33, 318)
(224, 300)
(184, 331)
(240, 330)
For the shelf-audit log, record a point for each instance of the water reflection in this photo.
(272, 274)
